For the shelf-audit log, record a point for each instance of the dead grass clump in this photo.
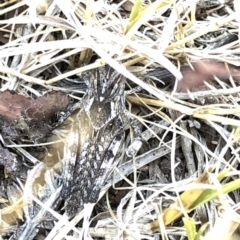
(183, 179)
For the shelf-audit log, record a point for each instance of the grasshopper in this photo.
(95, 142)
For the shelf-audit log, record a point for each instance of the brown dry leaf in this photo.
(204, 71)
(29, 118)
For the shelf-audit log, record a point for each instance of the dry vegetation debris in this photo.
(185, 57)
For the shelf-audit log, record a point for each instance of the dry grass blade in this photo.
(186, 116)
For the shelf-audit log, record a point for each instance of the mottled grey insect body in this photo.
(105, 96)
(100, 138)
